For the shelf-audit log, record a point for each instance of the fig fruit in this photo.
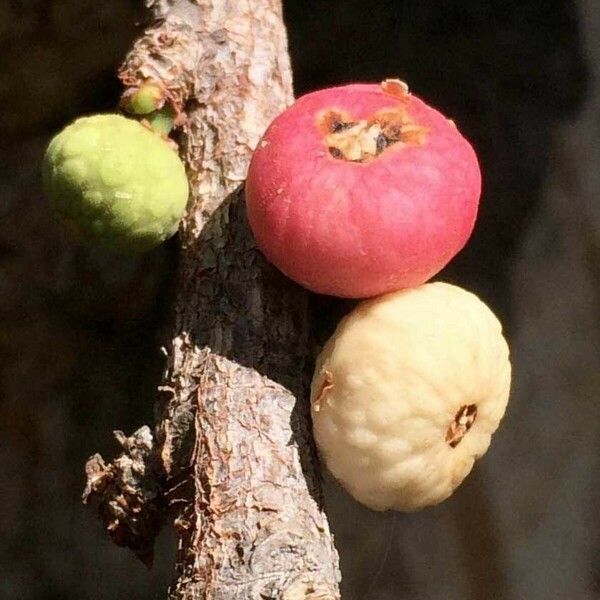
(407, 394)
(115, 182)
(360, 190)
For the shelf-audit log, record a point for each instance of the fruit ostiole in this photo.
(118, 181)
(365, 139)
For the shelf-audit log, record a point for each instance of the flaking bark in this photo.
(236, 464)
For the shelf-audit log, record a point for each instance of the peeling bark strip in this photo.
(233, 443)
(133, 508)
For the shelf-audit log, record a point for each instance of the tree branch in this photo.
(236, 462)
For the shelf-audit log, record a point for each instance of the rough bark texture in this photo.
(233, 452)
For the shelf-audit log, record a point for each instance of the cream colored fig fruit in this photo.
(407, 394)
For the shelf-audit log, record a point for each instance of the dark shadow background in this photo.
(80, 331)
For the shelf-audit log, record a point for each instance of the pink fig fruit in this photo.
(363, 189)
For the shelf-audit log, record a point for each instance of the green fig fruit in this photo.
(115, 182)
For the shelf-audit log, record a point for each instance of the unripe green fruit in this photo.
(115, 182)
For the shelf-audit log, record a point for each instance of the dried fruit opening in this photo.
(463, 421)
(362, 141)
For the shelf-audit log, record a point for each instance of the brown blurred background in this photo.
(80, 330)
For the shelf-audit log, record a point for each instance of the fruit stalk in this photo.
(232, 441)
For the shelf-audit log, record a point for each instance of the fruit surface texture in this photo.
(407, 394)
(363, 189)
(115, 182)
